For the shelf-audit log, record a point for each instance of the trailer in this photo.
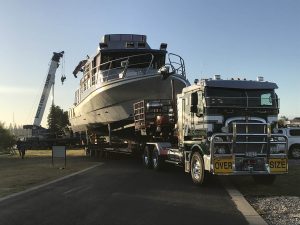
(215, 126)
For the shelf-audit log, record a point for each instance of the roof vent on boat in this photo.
(217, 77)
(103, 45)
(260, 79)
(163, 46)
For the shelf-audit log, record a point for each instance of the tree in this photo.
(57, 121)
(7, 140)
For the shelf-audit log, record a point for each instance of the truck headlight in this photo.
(276, 149)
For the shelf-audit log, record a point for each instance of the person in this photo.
(23, 150)
(19, 143)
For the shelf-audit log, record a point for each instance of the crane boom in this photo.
(50, 80)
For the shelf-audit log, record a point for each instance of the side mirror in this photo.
(194, 109)
(194, 99)
(194, 102)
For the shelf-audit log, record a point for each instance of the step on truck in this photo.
(215, 126)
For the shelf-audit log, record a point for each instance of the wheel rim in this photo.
(196, 169)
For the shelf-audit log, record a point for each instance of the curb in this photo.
(48, 183)
(252, 217)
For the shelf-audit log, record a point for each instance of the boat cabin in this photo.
(119, 56)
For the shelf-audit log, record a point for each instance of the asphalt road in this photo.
(121, 191)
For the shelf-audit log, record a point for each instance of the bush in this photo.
(7, 140)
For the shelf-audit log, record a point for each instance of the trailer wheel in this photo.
(264, 179)
(197, 168)
(156, 160)
(147, 158)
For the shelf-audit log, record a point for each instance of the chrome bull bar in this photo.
(273, 151)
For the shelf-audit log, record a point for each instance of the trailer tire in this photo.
(147, 159)
(197, 168)
(264, 179)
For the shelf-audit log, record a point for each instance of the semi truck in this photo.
(215, 126)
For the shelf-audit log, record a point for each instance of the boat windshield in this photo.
(240, 98)
(135, 60)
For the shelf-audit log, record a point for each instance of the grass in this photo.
(284, 185)
(18, 174)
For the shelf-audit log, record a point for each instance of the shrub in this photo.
(7, 140)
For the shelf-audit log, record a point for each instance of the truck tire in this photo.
(264, 179)
(157, 161)
(147, 159)
(197, 168)
(294, 152)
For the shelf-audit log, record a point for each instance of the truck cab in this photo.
(230, 124)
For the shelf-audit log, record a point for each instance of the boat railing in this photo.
(118, 68)
(130, 66)
(177, 64)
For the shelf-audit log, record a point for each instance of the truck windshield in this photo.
(224, 97)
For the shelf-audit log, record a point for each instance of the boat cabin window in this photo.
(136, 60)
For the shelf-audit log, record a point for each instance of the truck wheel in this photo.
(264, 179)
(147, 158)
(294, 152)
(156, 160)
(197, 168)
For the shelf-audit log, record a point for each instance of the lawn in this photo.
(18, 174)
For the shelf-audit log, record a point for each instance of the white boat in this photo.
(124, 71)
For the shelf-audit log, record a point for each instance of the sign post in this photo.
(59, 152)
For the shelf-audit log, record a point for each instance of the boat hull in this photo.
(112, 102)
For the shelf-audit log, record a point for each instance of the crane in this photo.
(49, 83)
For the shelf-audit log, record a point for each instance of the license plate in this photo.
(223, 165)
(278, 165)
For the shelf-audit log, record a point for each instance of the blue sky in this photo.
(234, 38)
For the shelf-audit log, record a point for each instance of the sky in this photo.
(233, 38)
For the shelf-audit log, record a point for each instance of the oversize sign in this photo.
(278, 165)
(223, 165)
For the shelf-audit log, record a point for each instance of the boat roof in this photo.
(124, 41)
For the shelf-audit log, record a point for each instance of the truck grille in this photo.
(249, 137)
